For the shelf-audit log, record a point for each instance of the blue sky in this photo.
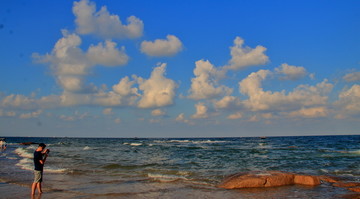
(179, 68)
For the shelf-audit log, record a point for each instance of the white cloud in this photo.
(228, 102)
(205, 83)
(313, 112)
(201, 111)
(109, 99)
(352, 77)
(29, 103)
(349, 102)
(125, 87)
(71, 65)
(158, 91)
(242, 57)
(162, 47)
(253, 118)
(31, 115)
(7, 113)
(74, 117)
(267, 115)
(303, 95)
(158, 112)
(104, 24)
(107, 54)
(235, 116)
(181, 118)
(288, 72)
(107, 111)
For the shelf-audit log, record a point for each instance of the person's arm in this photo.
(44, 159)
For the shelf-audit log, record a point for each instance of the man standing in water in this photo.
(40, 156)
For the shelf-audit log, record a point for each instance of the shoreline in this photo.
(11, 190)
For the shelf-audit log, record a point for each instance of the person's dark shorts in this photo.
(38, 175)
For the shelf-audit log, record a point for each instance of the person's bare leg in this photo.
(33, 187)
(39, 187)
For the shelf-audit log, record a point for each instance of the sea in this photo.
(177, 167)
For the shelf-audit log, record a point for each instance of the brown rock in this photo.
(279, 179)
(346, 184)
(242, 180)
(257, 179)
(328, 179)
(307, 180)
(267, 179)
(356, 189)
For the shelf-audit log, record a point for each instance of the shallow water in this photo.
(180, 168)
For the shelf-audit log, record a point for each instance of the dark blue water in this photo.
(180, 168)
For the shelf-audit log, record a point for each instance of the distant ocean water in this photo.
(180, 167)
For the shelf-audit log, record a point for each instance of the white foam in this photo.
(25, 164)
(180, 141)
(86, 148)
(23, 153)
(355, 152)
(135, 144)
(165, 178)
(208, 142)
(54, 170)
(196, 142)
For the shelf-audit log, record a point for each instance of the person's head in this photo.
(42, 145)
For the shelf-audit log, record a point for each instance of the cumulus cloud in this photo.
(181, 118)
(158, 112)
(242, 57)
(125, 87)
(289, 72)
(107, 54)
(31, 115)
(235, 116)
(205, 83)
(7, 113)
(158, 91)
(201, 111)
(23, 102)
(104, 24)
(71, 65)
(312, 112)
(75, 116)
(228, 102)
(107, 111)
(162, 47)
(303, 95)
(117, 120)
(352, 77)
(349, 101)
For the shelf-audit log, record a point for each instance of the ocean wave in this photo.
(133, 144)
(165, 177)
(191, 141)
(357, 152)
(54, 170)
(86, 148)
(25, 164)
(23, 153)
